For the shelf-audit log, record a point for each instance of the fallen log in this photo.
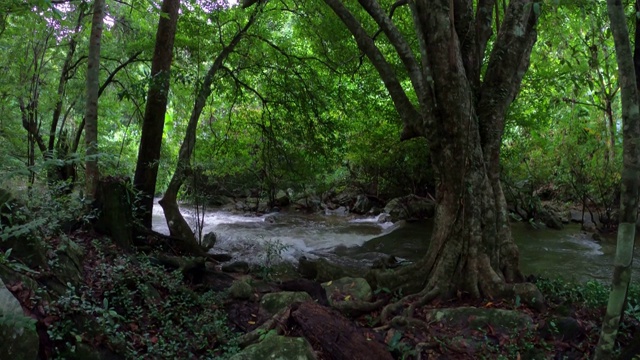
(335, 336)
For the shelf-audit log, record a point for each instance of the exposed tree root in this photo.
(276, 322)
(354, 309)
(414, 300)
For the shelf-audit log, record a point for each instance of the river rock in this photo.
(341, 211)
(241, 267)
(240, 289)
(551, 217)
(209, 240)
(410, 207)
(281, 199)
(18, 334)
(383, 218)
(362, 205)
(347, 289)
(273, 302)
(277, 347)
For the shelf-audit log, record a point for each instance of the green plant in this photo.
(401, 349)
(271, 256)
(140, 311)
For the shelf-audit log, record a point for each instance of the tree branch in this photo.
(406, 109)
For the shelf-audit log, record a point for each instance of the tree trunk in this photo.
(178, 226)
(93, 84)
(462, 115)
(155, 110)
(630, 180)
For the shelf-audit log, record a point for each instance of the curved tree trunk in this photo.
(178, 226)
(153, 124)
(461, 113)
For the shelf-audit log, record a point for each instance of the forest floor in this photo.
(128, 305)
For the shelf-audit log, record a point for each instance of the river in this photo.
(569, 253)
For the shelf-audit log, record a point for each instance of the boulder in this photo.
(68, 267)
(209, 240)
(240, 289)
(347, 289)
(281, 198)
(362, 205)
(18, 334)
(550, 218)
(410, 207)
(341, 211)
(236, 267)
(277, 347)
(273, 302)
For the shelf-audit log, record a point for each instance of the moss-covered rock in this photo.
(274, 302)
(68, 267)
(348, 289)
(18, 334)
(240, 289)
(278, 348)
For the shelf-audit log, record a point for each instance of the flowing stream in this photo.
(568, 253)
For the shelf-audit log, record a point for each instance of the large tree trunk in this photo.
(461, 113)
(178, 226)
(93, 84)
(630, 180)
(155, 110)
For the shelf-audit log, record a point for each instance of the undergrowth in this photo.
(141, 311)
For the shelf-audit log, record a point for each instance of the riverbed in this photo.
(569, 253)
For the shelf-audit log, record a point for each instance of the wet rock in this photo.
(277, 347)
(341, 211)
(241, 267)
(383, 218)
(281, 199)
(274, 302)
(348, 289)
(550, 218)
(362, 205)
(410, 207)
(18, 334)
(209, 240)
(240, 289)
(221, 257)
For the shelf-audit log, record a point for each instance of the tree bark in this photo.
(627, 77)
(462, 115)
(93, 84)
(155, 109)
(178, 226)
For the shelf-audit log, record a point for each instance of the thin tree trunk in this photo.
(155, 110)
(93, 84)
(178, 226)
(630, 180)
